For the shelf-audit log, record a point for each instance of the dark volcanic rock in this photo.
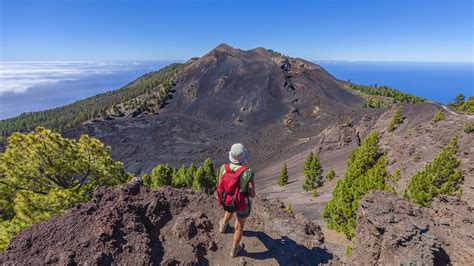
(219, 99)
(391, 230)
(132, 225)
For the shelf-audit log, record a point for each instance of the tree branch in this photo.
(22, 188)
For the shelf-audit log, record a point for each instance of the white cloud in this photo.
(18, 77)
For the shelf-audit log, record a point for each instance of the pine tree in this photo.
(162, 175)
(396, 120)
(458, 101)
(205, 177)
(313, 172)
(190, 175)
(199, 180)
(391, 182)
(307, 164)
(468, 127)
(366, 170)
(180, 178)
(42, 174)
(331, 174)
(348, 250)
(468, 106)
(211, 176)
(283, 178)
(442, 176)
(439, 116)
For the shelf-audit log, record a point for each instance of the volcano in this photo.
(281, 108)
(268, 101)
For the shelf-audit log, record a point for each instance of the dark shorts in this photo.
(245, 213)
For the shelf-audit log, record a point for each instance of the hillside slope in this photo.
(280, 108)
(257, 97)
(132, 225)
(390, 230)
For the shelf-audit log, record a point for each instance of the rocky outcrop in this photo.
(133, 225)
(391, 230)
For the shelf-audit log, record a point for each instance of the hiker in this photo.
(235, 188)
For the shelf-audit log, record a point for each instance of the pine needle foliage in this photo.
(439, 116)
(442, 176)
(283, 177)
(461, 105)
(396, 120)
(366, 170)
(149, 92)
(331, 174)
(42, 174)
(396, 95)
(312, 171)
(201, 178)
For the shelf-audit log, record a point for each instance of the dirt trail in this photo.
(133, 225)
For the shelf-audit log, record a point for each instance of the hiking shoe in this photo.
(234, 251)
(222, 226)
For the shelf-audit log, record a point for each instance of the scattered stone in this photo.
(133, 225)
(391, 230)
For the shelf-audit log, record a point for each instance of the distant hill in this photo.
(279, 106)
(155, 86)
(150, 92)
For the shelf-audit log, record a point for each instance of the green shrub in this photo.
(283, 178)
(396, 95)
(205, 179)
(373, 102)
(43, 174)
(442, 176)
(366, 170)
(162, 175)
(312, 171)
(461, 105)
(181, 179)
(289, 208)
(396, 120)
(198, 178)
(468, 127)
(439, 116)
(468, 106)
(391, 182)
(417, 157)
(331, 174)
(347, 122)
(314, 193)
(348, 250)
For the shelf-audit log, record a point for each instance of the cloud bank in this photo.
(19, 77)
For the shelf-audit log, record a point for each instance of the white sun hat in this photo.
(238, 154)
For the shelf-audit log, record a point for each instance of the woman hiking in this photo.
(235, 188)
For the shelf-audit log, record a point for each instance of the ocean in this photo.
(35, 86)
(440, 82)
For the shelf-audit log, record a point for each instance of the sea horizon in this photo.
(29, 86)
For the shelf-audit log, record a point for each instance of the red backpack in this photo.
(228, 190)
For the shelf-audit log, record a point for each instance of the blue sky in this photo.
(375, 30)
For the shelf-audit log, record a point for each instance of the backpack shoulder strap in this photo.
(227, 169)
(241, 170)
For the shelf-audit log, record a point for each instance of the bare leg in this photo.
(239, 229)
(227, 217)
